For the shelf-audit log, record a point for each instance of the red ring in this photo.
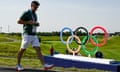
(105, 36)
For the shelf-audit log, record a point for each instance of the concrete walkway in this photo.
(7, 69)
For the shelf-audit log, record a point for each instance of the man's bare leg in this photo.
(20, 54)
(39, 54)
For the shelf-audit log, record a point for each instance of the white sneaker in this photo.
(19, 68)
(48, 66)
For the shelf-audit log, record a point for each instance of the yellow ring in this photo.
(67, 44)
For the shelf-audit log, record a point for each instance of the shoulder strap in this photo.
(33, 18)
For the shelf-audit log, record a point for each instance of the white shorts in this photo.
(29, 39)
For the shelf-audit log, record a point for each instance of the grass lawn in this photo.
(9, 49)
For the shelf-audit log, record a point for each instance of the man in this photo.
(29, 22)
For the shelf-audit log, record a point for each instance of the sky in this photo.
(54, 15)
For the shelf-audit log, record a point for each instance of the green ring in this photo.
(84, 49)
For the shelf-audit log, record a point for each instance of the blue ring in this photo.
(61, 36)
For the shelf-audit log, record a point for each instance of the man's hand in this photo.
(33, 23)
(36, 24)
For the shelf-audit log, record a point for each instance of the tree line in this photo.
(56, 33)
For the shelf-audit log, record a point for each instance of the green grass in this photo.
(15, 37)
(4, 39)
(9, 48)
(110, 50)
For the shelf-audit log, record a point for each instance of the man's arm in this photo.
(28, 22)
(25, 22)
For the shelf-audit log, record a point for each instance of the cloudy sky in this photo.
(53, 15)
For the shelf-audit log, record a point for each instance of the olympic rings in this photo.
(105, 36)
(94, 50)
(61, 33)
(67, 44)
(92, 39)
(86, 33)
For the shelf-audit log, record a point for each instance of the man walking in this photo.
(29, 22)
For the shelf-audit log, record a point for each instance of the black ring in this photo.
(87, 33)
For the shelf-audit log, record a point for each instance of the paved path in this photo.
(7, 69)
